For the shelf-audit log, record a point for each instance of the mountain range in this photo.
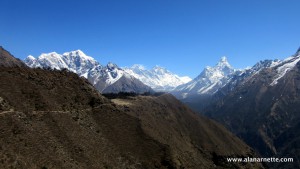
(215, 82)
(107, 79)
(55, 119)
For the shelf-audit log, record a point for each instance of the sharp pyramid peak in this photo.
(223, 62)
(223, 59)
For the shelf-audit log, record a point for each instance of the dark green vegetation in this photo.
(54, 119)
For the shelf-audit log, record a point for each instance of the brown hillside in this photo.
(194, 141)
(6, 59)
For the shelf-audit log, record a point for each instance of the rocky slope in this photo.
(195, 141)
(7, 61)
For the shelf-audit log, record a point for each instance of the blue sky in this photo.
(183, 36)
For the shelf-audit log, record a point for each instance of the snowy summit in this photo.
(158, 78)
(209, 80)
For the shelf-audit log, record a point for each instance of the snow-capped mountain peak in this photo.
(114, 73)
(208, 81)
(78, 54)
(224, 66)
(30, 59)
(160, 70)
(159, 78)
(138, 67)
(75, 61)
(223, 59)
(223, 63)
(220, 70)
(284, 66)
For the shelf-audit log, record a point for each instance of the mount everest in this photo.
(159, 78)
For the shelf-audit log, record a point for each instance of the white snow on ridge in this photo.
(114, 73)
(52, 60)
(275, 63)
(79, 53)
(159, 78)
(185, 79)
(207, 89)
(285, 66)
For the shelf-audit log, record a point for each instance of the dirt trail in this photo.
(54, 111)
(8, 111)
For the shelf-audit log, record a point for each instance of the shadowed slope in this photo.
(195, 141)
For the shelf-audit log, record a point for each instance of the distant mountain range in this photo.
(107, 79)
(110, 78)
(159, 78)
